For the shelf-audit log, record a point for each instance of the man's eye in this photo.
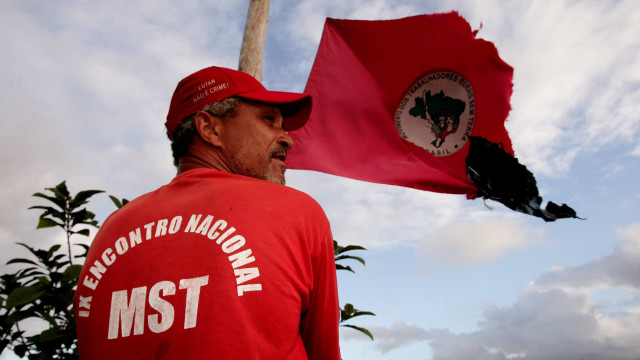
(270, 118)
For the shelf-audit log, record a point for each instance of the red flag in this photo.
(396, 102)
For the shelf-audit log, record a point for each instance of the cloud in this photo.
(399, 334)
(311, 15)
(472, 243)
(555, 318)
(575, 89)
(540, 325)
(545, 325)
(619, 269)
(401, 216)
(446, 230)
(85, 91)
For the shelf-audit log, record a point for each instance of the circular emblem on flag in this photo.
(437, 112)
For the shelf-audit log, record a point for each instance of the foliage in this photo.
(117, 202)
(67, 213)
(349, 311)
(44, 288)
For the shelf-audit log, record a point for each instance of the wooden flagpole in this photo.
(255, 32)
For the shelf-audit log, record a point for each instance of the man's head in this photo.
(229, 121)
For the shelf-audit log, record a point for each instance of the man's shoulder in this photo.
(258, 188)
(279, 199)
(286, 196)
(213, 190)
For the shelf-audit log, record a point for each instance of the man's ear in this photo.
(209, 128)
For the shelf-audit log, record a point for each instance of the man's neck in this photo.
(202, 155)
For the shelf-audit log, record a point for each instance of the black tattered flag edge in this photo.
(500, 177)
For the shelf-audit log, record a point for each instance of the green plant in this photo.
(348, 312)
(43, 289)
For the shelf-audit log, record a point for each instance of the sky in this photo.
(86, 88)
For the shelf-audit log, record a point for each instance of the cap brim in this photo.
(295, 107)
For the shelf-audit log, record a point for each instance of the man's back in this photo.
(211, 266)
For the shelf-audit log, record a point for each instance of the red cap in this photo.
(214, 84)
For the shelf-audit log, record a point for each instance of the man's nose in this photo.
(285, 140)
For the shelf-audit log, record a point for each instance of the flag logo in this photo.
(437, 112)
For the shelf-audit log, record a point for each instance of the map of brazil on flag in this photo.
(396, 101)
(418, 102)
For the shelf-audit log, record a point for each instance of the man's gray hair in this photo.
(186, 130)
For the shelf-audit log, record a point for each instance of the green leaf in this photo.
(46, 208)
(89, 215)
(60, 190)
(56, 258)
(46, 222)
(78, 216)
(342, 267)
(72, 273)
(24, 295)
(60, 203)
(342, 257)
(84, 246)
(82, 197)
(31, 250)
(86, 250)
(20, 350)
(361, 329)
(53, 249)
(119, 204)
(51, 334)
(22, 261)
(115, 201)
(36, 357)
(18, 316)
(29, 273)
(3, 344)
(360, 313)
(53, 215)
(84, 232)
(45, 281)
(348, 308)
(350, 311)
(16, 335)
(350, 248)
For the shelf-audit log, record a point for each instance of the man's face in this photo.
(255, 144)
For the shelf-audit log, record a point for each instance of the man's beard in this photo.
(271, 174)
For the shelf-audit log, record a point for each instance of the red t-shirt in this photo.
(211, 266)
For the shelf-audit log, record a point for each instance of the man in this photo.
(223, 262)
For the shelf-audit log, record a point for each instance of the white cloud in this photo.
(555, 318)
(306, 19)
(618, 269)
(399, 334)
(401, 216)
(576, 74)
(545, 325)
(540, 325)
(576, 82)
(576, 88)
(86, 90)
(466, 243)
